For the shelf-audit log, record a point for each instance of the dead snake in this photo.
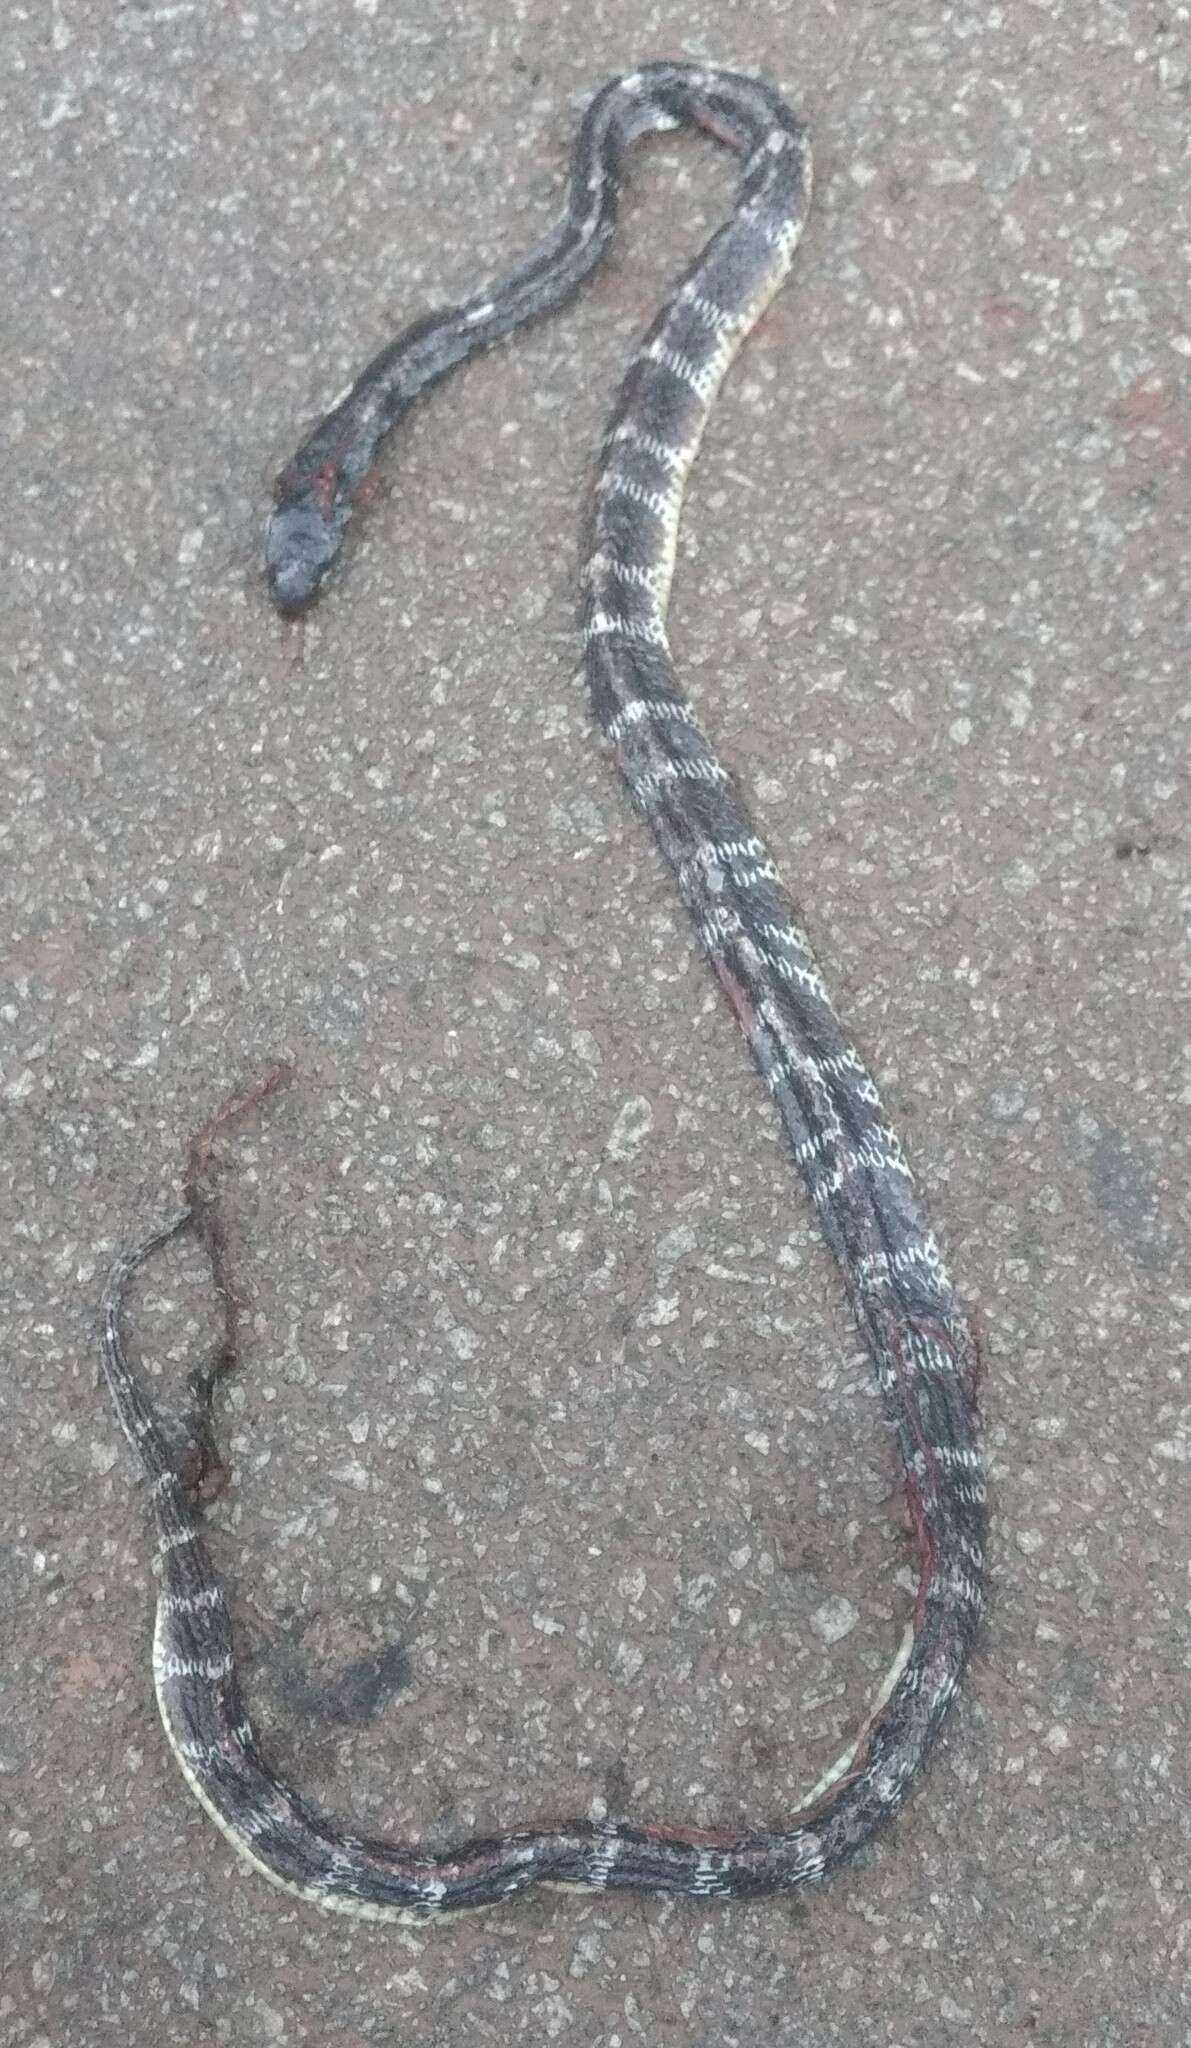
(853, 1164)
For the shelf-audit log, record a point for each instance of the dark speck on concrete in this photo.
(353, 1696)
(1124, 1187)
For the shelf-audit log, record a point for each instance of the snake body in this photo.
(921, 1346)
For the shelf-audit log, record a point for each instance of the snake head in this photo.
(301, 543)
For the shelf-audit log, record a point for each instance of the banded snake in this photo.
(921, 1345)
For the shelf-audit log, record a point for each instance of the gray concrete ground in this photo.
(557, 1467)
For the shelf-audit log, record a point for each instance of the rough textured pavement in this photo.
(557, 1471)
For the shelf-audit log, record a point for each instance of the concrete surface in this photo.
(557, 1470)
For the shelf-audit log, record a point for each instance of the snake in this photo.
(919, 1337)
